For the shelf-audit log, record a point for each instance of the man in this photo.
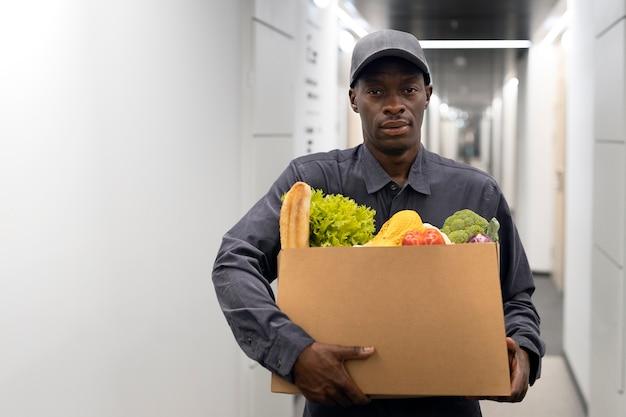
(390, 89)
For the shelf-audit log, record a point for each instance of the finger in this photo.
(524, 391)
(511, 344)
(352, 390)
(345, 353)
(518, 388)
(519, 380)
(515, 371)
(340, 398)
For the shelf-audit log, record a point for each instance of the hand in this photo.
(519, 366)
(320, 374)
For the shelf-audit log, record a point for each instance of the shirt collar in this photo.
(376, 177)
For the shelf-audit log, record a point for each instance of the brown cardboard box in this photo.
(433, 313)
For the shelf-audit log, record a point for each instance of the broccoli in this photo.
(463, 225)
(493, 228)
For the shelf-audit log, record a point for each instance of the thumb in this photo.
(345, 353)
(511, 347)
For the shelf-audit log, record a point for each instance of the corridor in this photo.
(555, 393)
(139, 244)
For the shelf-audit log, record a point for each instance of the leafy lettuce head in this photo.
(337, 220)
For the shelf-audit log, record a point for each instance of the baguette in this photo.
(294, 217)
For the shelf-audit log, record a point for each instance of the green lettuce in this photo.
(337, 220)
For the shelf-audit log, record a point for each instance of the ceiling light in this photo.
(557, 26)
(351, 23)
(512, 83)
(475, 44)
(322, 4)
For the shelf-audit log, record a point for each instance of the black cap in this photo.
(387, 43)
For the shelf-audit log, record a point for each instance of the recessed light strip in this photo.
(475, 44)
(350, 23)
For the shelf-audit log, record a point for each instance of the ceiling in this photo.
(466, 79)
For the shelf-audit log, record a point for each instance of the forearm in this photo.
(245, 265)
(262, 331)
(521, 318)
(522, 324)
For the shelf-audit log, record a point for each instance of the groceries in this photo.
(394, 229)
(427, 236)
(445, 237)
(395, 298)
(310, 218)
(294, 217)
(480, 238)
(464, 225)
(339, 221)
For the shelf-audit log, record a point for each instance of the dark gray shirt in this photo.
(436, 188)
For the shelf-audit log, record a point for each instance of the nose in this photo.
(393, 105)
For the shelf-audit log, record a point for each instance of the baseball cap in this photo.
(385, 43)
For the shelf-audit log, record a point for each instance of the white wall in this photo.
(449, 138)
(485, 139)
(119, 171)
(608, 289)
(434, 124)
(579, 177)
(509, 140)
(535, 208)
(326, 73)
(289, 108)
(496, 134)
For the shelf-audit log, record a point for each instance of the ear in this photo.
(429, 92)
(352, 96)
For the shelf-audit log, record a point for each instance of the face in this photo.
(391, 97)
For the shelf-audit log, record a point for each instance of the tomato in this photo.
(411, 238)
(424, 237)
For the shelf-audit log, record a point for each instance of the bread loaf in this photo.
(294, 217)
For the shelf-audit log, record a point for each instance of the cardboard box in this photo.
(433, 313)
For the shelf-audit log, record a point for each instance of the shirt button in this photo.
(249, 340)
(394, 187)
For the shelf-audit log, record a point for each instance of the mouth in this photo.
(395, 127)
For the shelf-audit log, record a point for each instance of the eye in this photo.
(410, 90)
(374, 91)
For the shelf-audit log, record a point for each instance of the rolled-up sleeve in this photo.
(244, 268)
(520, 316)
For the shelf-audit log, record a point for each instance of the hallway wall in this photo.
(535, 207)
(578, 183)
(608, 324)
(114, 118)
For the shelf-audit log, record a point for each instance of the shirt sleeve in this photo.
(244, 268)
(520, 316)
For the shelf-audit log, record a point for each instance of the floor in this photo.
(554, 394)
(549, 303)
